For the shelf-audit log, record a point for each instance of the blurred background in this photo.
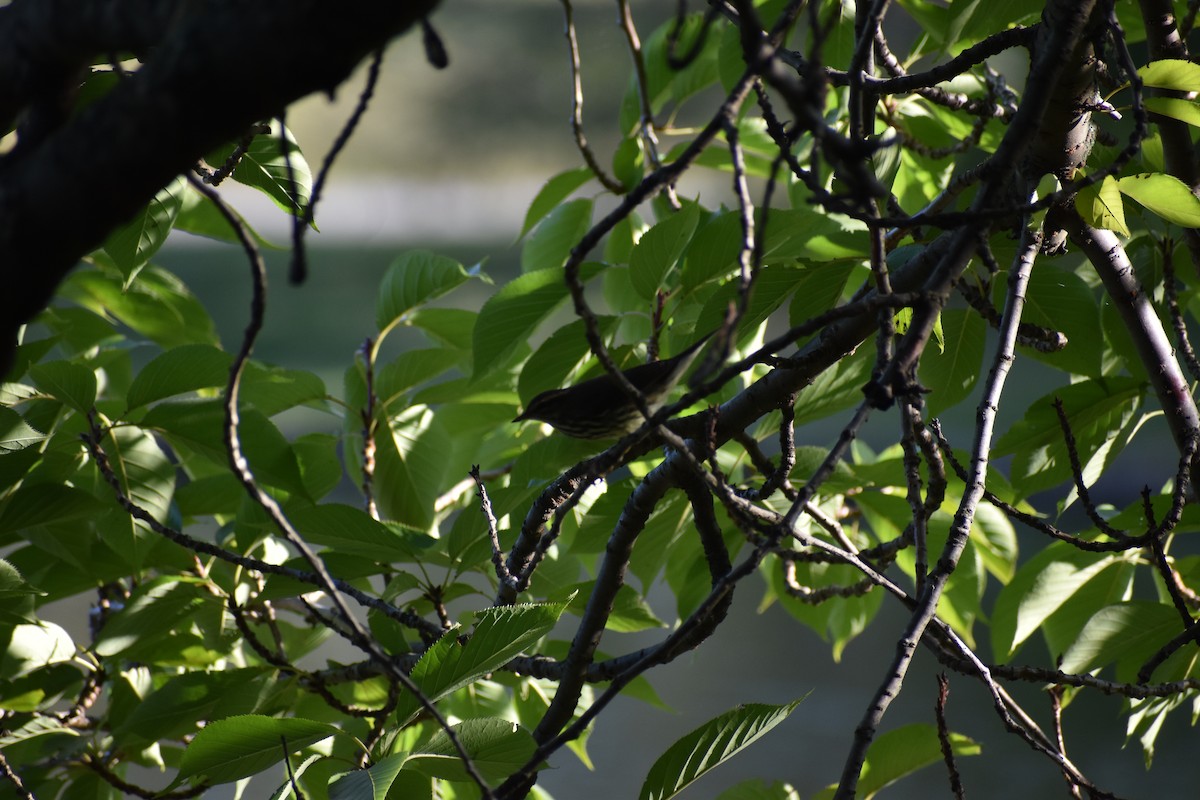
(449, 160)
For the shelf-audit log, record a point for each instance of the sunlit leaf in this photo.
(709, 746)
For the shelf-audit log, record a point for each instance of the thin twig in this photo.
(485, 507)
(581, 142)
(943, 730)
(303, 218)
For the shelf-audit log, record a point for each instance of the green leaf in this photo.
(372, 783)
(16, 596)
(201, 217)
(37, 727)
(407, 371)
(811, 236)
(451, 327)
(972, 20)
(1100, 206)
(713, 251)
(1060, 300)
(264, 167)
(556, 358)
(147, 477)
(709, 746)
(181, 705)
(1175, 108)
(349, 530)
(630, 612)
(1039, 590)
(410, 464)
(151, 614)
(837, 388)
(271, 390)
(15, 433)
(25, 648)
(68, 382)
(901, 752)
(511, 314)
(1170, 73)
(660, 248)
(182, 369)
(45, 503)
(619, 244)
(414, 278)
(199, 426)
(1096, 411)
(1165, 195)
(1128, 633)
(950, 375)
(158, 305)
(497, 748)
(757, 789)
(819, 289)
(993, 533)
(238, 747)
(629, 161)
(550, 244)
(499, 635)
(134, 243)
(838, 621)
(553, 192)
(664, 83)
(774, 285)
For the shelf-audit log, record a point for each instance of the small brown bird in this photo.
(599, 409)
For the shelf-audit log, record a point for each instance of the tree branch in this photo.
(157, 122)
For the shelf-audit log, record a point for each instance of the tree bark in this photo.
(211, 69)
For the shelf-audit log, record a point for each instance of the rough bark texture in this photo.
(211, 69)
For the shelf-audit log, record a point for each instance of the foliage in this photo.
(146, 466)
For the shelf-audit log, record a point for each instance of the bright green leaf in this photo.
(659, 248)
(551, 242)
(1165, 195)
(349, 530)
(1038, 590)
(147, 477)
(1171, 73)
(903, 751)
(709, 746)
(499, 635)
(134, 243)
(152, 612)
(553, 192)
(1175, 107)
(409, 465)
(511, 314)
(1128, 632)
(1100, 206)
(25, 648)
(264, 167)
(372, 783)
(414, 278)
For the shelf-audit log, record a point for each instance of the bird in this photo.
(599, 408)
